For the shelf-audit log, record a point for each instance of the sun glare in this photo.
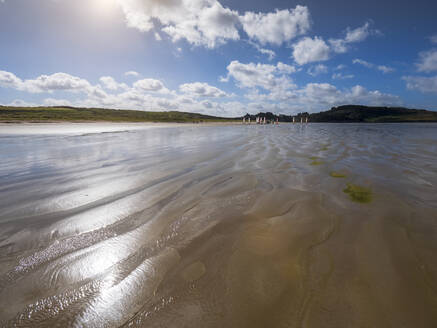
(103, 8)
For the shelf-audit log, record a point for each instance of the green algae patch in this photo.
(337, 174)
(358, 194)
(316, 160)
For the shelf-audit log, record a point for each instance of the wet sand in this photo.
(318, 225)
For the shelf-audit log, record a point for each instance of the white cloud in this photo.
(427, 61)
(324, 93)
(132, 73)
(200, 22)
(351, 36)
(45, 83)
(285, 68)
(270, 53)
(385, 69)
(260, 75)
(199, 89)
(9, 80)
(321, 96)
(420, 83)
(56, 82)
(433, 39)
(340, 67)
(207, 23)
(269, 88)
(110, 84)
(310, 50)
(317, 70)
(328, 95)
(277, 27)
(360, 95)
(357, 35)
(150, 85)
(362, 62)
(341, 76)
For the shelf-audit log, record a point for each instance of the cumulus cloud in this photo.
(199, 89)
(285, 68)
(269, 88)
(208, 23)
(277, 27)
(422, 84)
(329, 95)
(260, 75)
(56, 82)
(150, 85)
(9, 80)
(205, 23)
(110, 83)
(321, 96)
(310, 50)
(317, 70)
(427, 61)
(360, 95)
(45, 83)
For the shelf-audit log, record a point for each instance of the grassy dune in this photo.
(72, 114)
(366, 114)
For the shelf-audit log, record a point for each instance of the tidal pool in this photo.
(135, 225)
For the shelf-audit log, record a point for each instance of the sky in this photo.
(218, 57)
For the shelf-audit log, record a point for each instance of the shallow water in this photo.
(218, 226)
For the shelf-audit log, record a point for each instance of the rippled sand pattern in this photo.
(222, 226)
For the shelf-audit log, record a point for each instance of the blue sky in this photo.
(218, 57)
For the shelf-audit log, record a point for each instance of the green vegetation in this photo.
(337, 175)
(358, 194)
(365, 114)
(72, 114)
(349, 113)
(316, 161)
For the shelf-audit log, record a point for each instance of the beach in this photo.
(205, 225)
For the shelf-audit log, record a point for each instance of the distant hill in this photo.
(341, 114)
(72, 114)
(354, 113)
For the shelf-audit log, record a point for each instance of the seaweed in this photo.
(337, 174)
(358, 194)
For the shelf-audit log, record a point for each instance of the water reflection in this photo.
(137, 225)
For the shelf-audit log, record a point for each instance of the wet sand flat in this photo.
(304, 225)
